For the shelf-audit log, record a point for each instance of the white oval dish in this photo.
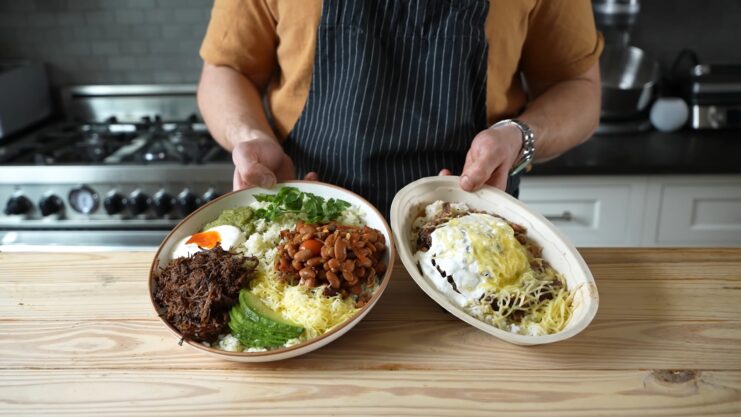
(195, 222)
(557, 250)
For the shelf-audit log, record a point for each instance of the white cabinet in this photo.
(640, 210)
(702, 211)
(605, 211)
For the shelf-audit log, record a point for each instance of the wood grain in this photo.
(78, 337)
(86, 286)
(380, 345)
(398, 393)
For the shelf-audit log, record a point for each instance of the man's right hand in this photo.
(260, 161)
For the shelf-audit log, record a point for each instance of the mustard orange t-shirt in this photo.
(272, 42)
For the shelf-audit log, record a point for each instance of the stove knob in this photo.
(137, 202)
(210, 195)
(83, 199)
(186, 202)
(113, 203)
(18, 205)
(161, 203)
(50, 204)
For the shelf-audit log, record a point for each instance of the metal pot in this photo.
(629, 79)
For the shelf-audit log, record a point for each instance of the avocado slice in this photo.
(255, 310)
(252, 335)
(255, 325)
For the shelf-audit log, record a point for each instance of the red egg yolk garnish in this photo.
(206, 240)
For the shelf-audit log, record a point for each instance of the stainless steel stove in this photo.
(123, 168)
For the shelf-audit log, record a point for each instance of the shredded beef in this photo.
(195, 294)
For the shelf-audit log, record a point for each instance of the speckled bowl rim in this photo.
(391, 250)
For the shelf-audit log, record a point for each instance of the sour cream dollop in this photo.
(471, 255)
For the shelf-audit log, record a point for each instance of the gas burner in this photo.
(151, 141)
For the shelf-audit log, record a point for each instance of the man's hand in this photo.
(492, 154)
(260, 161)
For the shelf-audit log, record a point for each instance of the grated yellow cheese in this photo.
(306, 307)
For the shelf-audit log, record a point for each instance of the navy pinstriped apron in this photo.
(398, 93)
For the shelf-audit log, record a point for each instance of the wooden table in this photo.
(78, 337)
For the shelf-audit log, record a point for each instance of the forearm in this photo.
(231, 106)
(564, 115)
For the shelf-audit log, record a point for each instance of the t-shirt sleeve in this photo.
(562, 41)
(241, 34)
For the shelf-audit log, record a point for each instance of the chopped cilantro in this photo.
(309, 207)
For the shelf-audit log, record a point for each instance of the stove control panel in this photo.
(158, 200)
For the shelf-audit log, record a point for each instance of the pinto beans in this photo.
(307, 229)
(345, 259)
(370, 236)
(334, 281)
(349, 277)
(340, 249)
(334, 264)
(327, 252)
(314, 262)
(360, 272)
(303, 255)
(283, 264)
(348, 266)
(307, 273)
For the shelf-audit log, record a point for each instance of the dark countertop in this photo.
(682, 152)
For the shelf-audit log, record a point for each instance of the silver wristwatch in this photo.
(528, 144)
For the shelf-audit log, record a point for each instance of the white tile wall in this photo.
(107, 41)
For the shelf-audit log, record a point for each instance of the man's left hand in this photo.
(492, 154)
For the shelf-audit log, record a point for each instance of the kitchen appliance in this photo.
(124, 167)
(24, 96)
(715, 96)
(615, 19)
(629, 79)
(628, 74)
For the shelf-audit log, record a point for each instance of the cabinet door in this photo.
(699, 214)
(599, 211)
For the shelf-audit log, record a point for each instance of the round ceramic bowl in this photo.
(196, 220)
(557, 250)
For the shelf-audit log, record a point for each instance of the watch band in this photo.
(528, 144)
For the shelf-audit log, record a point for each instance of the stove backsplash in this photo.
(107, 41)
(157, 41)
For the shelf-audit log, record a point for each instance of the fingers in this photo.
(311, 176)
(445, 172)
(253, 161)
(254, 174)
(237, 183)
(481, 161)
(499, 178)
(258, 174)
(286, 171)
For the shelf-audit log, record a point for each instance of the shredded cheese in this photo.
(306, 307)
